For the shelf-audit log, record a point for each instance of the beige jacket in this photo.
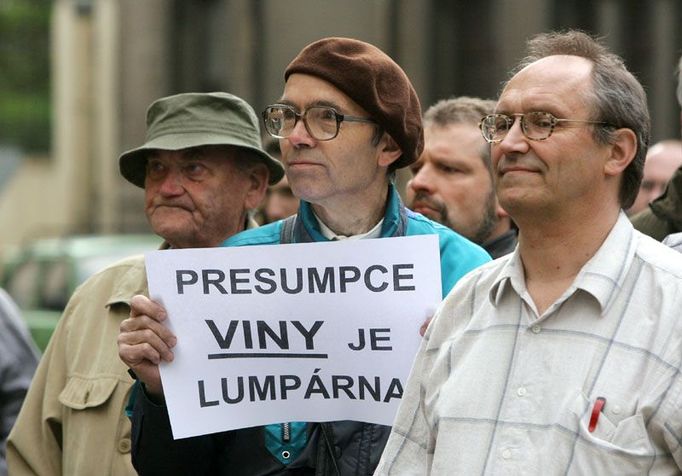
(73, 420)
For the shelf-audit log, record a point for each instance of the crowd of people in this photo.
(555, 349)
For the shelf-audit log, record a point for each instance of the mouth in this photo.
(302, 163)
(423, 204)
(160, 206)
(516, 169)
(424, 208)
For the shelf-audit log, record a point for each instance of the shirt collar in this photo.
(605, 272)
(601, 276)
(328, 233)
(511, 275)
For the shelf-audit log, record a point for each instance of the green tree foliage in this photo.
(25, 73)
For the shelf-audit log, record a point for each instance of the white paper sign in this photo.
(296, 332)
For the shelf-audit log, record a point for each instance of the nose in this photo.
(423, 180)
(299, 136)
(514, 141)
(171, 184)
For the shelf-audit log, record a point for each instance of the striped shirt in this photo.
(498, 389)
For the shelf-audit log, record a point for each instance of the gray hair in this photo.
(617, 97)
(461, 110)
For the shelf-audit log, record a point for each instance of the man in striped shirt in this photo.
(563, 357)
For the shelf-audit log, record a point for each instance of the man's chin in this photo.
(171, 229)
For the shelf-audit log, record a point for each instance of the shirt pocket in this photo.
(613, 447)
(80, 393)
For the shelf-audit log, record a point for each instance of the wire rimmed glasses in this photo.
(534, 125)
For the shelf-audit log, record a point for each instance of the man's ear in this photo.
(622, 151)
(389, 150)
(258, 178)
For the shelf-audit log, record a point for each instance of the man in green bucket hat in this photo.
(203, 169)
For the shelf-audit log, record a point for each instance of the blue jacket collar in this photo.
(395, 221)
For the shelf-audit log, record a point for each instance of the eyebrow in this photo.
(542, 107)
(319, 102)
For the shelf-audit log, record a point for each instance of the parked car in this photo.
(42, 275)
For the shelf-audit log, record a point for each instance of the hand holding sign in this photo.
(144, 341)
(297, 332)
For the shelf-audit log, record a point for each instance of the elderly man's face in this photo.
(340, 171)
(564, 172)
(451, 182)
(198, 197)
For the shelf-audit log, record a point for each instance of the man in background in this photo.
(452, 181)
(203, 170)
(664, 215)
(663, 159)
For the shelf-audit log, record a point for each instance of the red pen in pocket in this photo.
(596, 411)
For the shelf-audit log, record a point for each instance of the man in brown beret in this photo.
(347, 119)
(202, 168)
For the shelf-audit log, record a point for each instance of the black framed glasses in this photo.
(321, 122)
(534, 125)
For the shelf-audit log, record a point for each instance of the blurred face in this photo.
(198, 197)
(280, 202)
(337, 172)
(451, 183)
(564, 172)
(661, 163)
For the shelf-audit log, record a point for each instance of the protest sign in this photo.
(296, 332)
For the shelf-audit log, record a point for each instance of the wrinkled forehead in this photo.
(551, 84)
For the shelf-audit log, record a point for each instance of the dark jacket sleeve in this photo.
(155, 452)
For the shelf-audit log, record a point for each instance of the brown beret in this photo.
(374, 81)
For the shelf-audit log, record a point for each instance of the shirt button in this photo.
(506, 454)
(536, 329)
(616, 409)
(521, 391)
(124, 445)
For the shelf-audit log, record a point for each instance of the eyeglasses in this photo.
(321, 122)
(534, 125)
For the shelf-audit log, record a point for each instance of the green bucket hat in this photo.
(196, 119)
